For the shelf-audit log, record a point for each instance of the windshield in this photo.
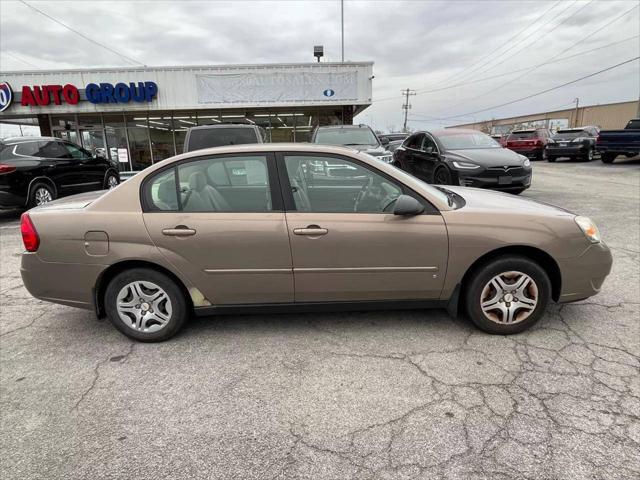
(346, 136)
(218, 137)
(523, 135)
(566, 134)
(466, 141)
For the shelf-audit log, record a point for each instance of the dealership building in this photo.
(140, 115)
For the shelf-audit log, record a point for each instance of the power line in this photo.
(504, 59)
(15, 57)
(543, 91)
(535, 67)
(483, 79)
(95, 42)
(482, 59)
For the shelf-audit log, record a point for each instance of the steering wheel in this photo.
(388, 204)
(362, 194)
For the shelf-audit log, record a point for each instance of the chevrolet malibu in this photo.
(259, 228)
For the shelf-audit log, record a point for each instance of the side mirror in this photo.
(406, 205)
(429, 149)
(384, 141)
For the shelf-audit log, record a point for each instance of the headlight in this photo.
(465, 165)
(525, 161)
(385, 158)
(589, 229)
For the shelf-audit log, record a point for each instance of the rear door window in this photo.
(55, 150)
(200, 138)
(77, 152)
(522, 135)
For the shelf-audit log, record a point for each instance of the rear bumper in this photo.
(73, 286)
(11, 200)
(529, 152)
(567, 151)
(583, 276)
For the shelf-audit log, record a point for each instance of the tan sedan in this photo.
(293, 227)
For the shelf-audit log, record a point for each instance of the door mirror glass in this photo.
(406, 205)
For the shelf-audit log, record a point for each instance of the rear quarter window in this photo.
(29, 149)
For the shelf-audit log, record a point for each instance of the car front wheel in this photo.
(442, 176)
(111, 181)
(507, 295)
(145, 305)
(607, 157)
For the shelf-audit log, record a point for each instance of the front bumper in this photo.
(43, 280)
(498, 179)
(583, 276)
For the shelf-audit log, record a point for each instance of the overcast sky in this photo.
(422, 45)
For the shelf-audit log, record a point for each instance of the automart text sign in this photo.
(277, 87)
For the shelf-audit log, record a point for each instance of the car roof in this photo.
(528, 130)
(338, 127)
(14, 140)
(450, 131)
(223, 125)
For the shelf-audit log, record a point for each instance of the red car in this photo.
(531, 143)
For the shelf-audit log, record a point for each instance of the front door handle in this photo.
(311, 231)
(179, 231)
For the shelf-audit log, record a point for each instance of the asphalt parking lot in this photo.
(389, 394)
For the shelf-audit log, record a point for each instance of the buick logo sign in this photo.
(329, 93)
(6, 95)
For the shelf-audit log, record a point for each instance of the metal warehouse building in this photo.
(607, 116)
(141, 115)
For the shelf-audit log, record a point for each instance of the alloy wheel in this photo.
(112, 182)
(442, 176)
(144, 306)
(590, 155)
(42, 196)
(509, 298)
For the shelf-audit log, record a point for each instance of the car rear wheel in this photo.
(145, 305)
(589, 156)
(40, 194)
(608, 157)
(442, 176)
(507, 295)
(551, 158)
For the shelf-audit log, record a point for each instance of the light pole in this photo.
(342, 27)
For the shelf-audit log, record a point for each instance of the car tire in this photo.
(551, 159)
(111, 181)
(147, 320)
(491, 309)
(441, 176)
(542, 155)
(518, 191)
(589, 156)
(40, 194)
(607, 157)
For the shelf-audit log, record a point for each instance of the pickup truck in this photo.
(612, 143)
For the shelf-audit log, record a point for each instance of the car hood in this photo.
(481, 199)
(73, 202)
(487, 157)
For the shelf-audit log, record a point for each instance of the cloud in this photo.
(414, 44)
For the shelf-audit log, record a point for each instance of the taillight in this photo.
(4, 168)
(30, 236)
(598, 139)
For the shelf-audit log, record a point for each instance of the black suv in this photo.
(358, 137)
(573, 143)
(36, 170)
(219, 135)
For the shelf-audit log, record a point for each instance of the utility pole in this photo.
(342, 27)
(406, 106)
(575, 120)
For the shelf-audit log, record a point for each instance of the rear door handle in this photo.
(179, 231)
(311, 231)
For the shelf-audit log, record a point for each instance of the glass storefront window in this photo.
(117, 139)
(66, 122)
(306, 122)
(182, 121)
(261, 119)
(161, 133)
(209, 117)
(282, 126)
(114, 120)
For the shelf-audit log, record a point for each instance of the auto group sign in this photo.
(43, 95)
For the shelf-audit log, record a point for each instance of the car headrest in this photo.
(197, 181)
(167, 192)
